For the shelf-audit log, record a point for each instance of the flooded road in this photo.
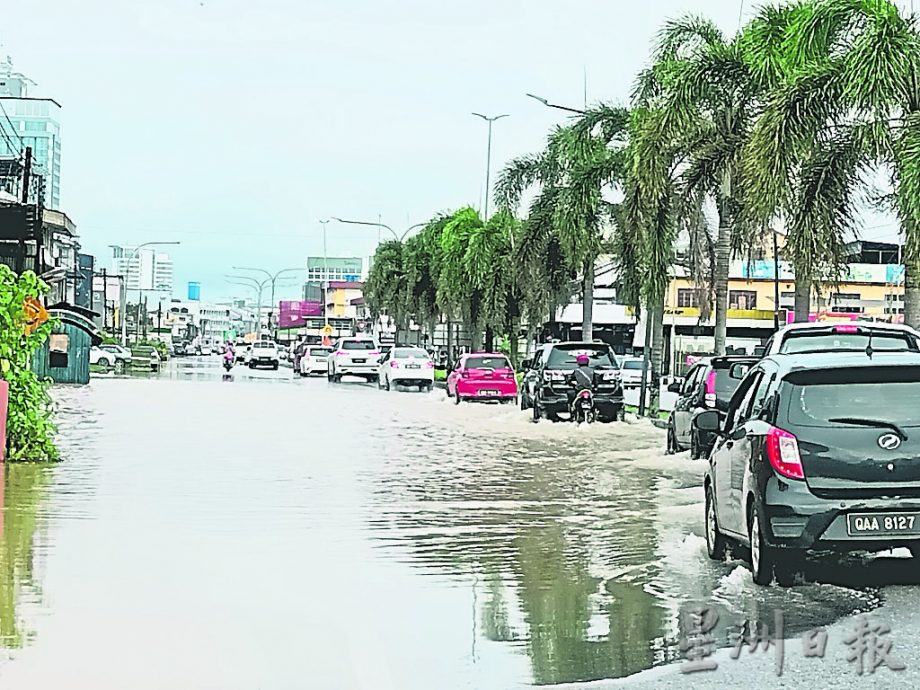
(261, 531)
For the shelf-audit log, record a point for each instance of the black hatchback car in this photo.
(546, 388)
(709, 385)
(816, 452)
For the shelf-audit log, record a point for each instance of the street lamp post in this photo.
(553, 105)
(490, 120)
(140, 290)
(396, 236)
(324, 223)
(271, 279)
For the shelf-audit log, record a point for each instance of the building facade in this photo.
(31, 122)
(145, 269)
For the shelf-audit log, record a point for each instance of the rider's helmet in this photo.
(582, 359)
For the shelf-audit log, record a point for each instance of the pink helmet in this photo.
(582, 359)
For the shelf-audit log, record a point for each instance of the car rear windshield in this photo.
(320, 351)
(563, 357)
(807, 341)
(725, 384)
(407, 352)
(486, 362)
(889, 394)
(632, 364)
(358, 345)
(264, 345)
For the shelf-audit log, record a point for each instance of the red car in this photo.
(483, 376)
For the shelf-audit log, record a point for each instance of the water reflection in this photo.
(22, 492)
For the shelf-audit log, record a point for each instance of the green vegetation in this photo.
(29, 433)
(778, 125)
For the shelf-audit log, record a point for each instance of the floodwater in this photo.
(261, 531)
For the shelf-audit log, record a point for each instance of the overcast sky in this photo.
(233, 126)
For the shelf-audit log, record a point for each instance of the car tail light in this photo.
(429, 364)
(710, 397)
(394, 365)
(584, 394)
(783, 451)
(464, 374)
(846, 328)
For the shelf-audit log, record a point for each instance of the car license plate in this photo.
(488, 391)
(413, 366)
(359, 361)
(883, 524)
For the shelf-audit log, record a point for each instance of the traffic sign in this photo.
(327, 330)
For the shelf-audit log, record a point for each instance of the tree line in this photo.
(789, 123)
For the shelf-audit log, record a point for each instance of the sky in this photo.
(233, 127)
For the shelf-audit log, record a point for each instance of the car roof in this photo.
(842, 360)
(881, 325)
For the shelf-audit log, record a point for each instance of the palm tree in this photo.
(422, 263)
(457, 294)
(385, 287)
(847, 101)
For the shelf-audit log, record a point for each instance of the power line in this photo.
(22, 144)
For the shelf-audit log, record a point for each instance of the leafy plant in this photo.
(30, 430)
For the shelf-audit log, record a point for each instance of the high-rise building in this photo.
(31, 122)
(144, 269)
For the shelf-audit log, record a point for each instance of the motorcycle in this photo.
(229, 360)
(582, 408)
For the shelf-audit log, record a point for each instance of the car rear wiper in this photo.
(856, 421)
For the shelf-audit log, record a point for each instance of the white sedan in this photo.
(313, 360)
(406, 366)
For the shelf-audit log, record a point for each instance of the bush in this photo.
(30, 430)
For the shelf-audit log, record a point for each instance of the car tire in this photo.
(715, 540)
(671, 443)
(275, 366)
(104, 363)
(763, 556)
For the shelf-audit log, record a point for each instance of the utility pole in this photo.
(159, 317)
(324, 223)
(105, 300)
(490, 120)
(27, 178)
(775, 281)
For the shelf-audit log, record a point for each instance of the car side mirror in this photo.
(709, 420)
(760, 351)
(675, 387)
(526, 364)
(739, 370)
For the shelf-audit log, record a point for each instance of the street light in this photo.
(271, 278)
(397, 237)
(553, 105)
(490, 120)
(140, 290)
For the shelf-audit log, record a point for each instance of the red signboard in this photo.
(294, 314)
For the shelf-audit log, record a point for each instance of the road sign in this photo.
(327, 330)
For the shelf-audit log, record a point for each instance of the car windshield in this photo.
(358, 345)
(890, 394)
(319, 351)
(564, 356)
(487, 362)
(807, 341)
(409, 352)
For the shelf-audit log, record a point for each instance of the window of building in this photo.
(686, 298)
(848, 310)
(894, 297)
(840, 296)
(742, 299)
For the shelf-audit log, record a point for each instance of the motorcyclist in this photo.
(583, 375)
(229, 355)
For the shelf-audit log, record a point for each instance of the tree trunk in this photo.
(587, 316)
(490, 339)
(911, 282)
(802, 297)
(475, 336)
(723, 264)
(514, 341)
(657, 324)
(450, 343)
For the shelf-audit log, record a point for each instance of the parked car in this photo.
(354, 356)
(482, 376)
(242, 350)
(313, 359)
(406, 366)
(816, 452)
(264, 353)
(545, 388)
(145, 357)
(631, 372)
(826, 337)
(709, 385)
(102, 358)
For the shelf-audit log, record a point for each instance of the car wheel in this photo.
(671, 443)
(715, 541)
(275, 366)
(763, 556)
(428, 387)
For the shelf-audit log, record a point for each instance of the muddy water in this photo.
(256, 531)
